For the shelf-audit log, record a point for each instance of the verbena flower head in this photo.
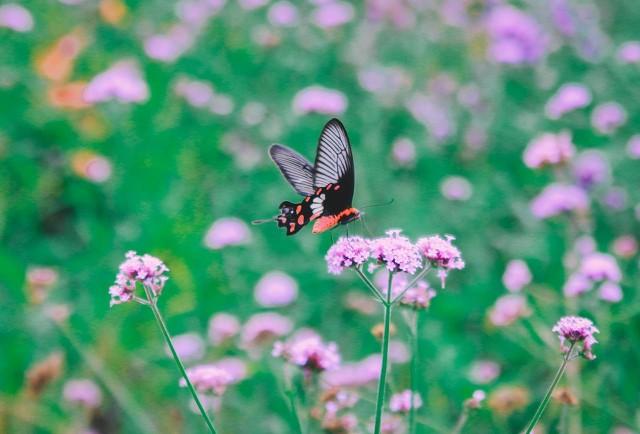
(263, 327)
(356, 374)
(146, 269)
(601, 266)
(515, 37)
(549, 149)
(222, 327)
(569, 97)
(516, 276)
(607, 117)
(419, 296)
(348, 252)
(189, 346)
(610, 292)
(575, 330)
(276, 289)
(122, 82)
(508, 309)
(308, 351)
(83, 392)
(208, 379)
(591, 168)
(629, 52)
(403, 402)
(577, 284)
(227, 231)
(441, 253)
(484, 371)
(556, 199)
(396, 252)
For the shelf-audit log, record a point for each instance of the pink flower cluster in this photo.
(82, 392)
(122, 82)
(307, 350)
(419, 296)
(549, 149)
(557, 198)
(516, 276)
(596, 267)
(569, 97)
(146, 269)
(208, 379)
(396, 252)
(441, 253)
(348, 252)
(508, 309)
(575, 329)
(403, 401)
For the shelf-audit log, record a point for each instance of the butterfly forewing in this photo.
(334, 166)
(295, 168)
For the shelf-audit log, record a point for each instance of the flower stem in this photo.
(370, 285)
(414, 372)
(167, 337)
(543, 405)
(294, 410)
(385, 352)
(461, 422)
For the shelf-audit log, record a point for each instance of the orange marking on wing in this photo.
(337, 187)
(315, 216)
(300, 220)
(292, 227)
(298, 209)
(307, 199)
(325, 223)
(328, 187)
(318, 191)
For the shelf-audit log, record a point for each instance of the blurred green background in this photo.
(168, 166)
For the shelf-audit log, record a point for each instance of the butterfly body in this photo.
(327, 185)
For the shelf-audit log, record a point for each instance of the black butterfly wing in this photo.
(334, 165)
(296, 169)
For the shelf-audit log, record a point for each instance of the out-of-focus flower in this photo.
(318, 99)
(146, 269)
(591, 168)
(308, 351)
(507, 399)
(227, 231)
(189, 346)
(584, 245)
(348, 252)
(355, 374)
(82, 392)
(433, 113)
(563, 17)
(112, 11)
(558, 198)
(68, 95)
(625, 246)
(515, 37)
(386, 82)
(170, 46)
(398, 351)
(611, 292)
(403, 152)
(57, 312)
(615, 198)
(607, 117)
(222, 327)
(456, 188)
(16, 17)
(629, 52)
(57, 61)
(484, 371)
(419, 296)
(197, 93)
(516, 276)
(39, 280)
(91, 166)
(276, 289)
(262, 328)
(577, 284)
(361, 303)
(568, 97)
(253, 113)
(208, 379)
(549, 149)
(476, 400)
(633, 147)
(236, 367)
(402, 402)
(122, 82)
(252, 4)
(396, 252)
(44, 372)
(332, 14)
(441, 253)
(565, 396)
(338, 424)
(283, 14)
(508, 309)
(398, 12)
(391, 424)
(378, 330)
(601, 266)
(575, 330)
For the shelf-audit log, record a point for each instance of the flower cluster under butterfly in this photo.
(327, 185)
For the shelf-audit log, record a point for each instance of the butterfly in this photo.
(327, 185)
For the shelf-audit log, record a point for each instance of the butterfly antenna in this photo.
(373, 205)
(261, 221)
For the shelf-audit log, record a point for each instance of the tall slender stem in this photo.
(461, 422)
(294, 410)
(370, 285)
(414, 372)
(385, 352)
(167, 337)
(538, 414)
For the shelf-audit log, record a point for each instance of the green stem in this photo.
(167, 338)
(564, 420)
(461, 422)
(294, 410)
(543, 405)
(414, 373)
(385, 352)
(370, 285)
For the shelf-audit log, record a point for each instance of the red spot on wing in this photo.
(337, 187)
(298, 209)
(300, 220)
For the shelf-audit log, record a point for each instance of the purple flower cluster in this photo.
(307, 350)
(122, 82)
(508, 309)
(208, 379)
(516, 276)
(396, 252)
(558, 198)
(549, 149)
(515, 37)
(348, 252)
(403, 401)
(569, 97)
(419, 296)
(596, 267)
(146, 269)
(575, 329)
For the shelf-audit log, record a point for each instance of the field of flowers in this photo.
(497, 162)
